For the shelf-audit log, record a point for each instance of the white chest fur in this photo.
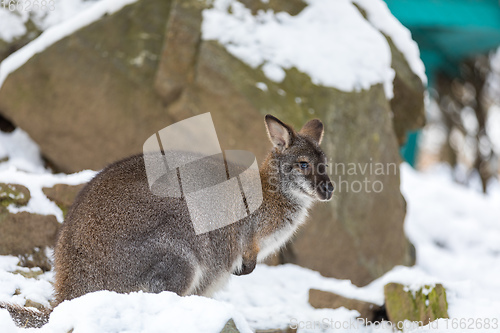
(277, 239)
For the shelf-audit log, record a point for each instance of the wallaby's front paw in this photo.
(246, 268)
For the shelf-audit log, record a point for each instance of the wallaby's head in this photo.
(298, 159)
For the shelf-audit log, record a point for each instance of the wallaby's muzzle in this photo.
(325, 190)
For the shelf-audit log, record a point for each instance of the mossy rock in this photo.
(63, 195)
(292, 7)
(423, 306)
(32, 304)
(31, 274)
(230, 327)
(15, 194)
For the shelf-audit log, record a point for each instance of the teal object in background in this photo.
(447, 32)
(409, 150)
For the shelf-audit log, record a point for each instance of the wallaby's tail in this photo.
(24, 317)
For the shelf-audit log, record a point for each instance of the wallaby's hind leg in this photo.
(176, 273)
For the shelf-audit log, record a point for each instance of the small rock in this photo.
(320, 299)
(14, 194)
(422, 306)
(230, 327)
(278, 330)
(33, 304)
(35, 259)
(28, 235)
(63, 195)
(31, 274)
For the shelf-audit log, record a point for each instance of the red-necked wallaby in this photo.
(119, 236)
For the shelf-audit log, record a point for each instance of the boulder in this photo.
(423, 306)
(369, 312)
(407, 105)
(95, 102)
(95, 97)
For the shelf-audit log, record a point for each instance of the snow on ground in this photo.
(456, 232)
(142, 312)
(328, 40)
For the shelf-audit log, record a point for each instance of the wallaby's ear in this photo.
(313, 129)
(280, 134)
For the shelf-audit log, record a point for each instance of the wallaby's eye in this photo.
(303, 165)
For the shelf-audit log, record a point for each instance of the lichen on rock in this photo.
(422, 306)
(14, 194)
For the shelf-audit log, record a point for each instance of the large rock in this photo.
(97, 95)
(89, 99)
(407, 104)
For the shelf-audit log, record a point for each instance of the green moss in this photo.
(423, 306)
(230, 327)
(31, 274)
(13, 194)
(33, 304)
(292, 7)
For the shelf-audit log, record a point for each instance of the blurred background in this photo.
(408, 90)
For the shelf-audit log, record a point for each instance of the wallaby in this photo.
(119, 236)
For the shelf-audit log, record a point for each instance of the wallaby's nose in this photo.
(327, 187)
